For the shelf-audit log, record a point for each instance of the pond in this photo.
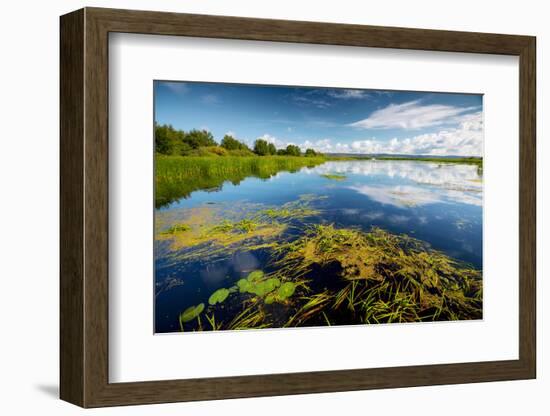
(214, 239)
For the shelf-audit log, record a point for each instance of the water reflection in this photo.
(409, 183)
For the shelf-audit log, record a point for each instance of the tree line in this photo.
(170, 141)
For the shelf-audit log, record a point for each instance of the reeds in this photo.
(177, 176)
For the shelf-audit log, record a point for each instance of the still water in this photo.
(440, 204)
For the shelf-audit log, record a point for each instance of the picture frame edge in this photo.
(84, 215)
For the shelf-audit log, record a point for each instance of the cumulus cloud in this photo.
(464, 140)
(325, 146)
(279, 144)
(411, 115)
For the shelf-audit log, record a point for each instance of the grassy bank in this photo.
(177, 176)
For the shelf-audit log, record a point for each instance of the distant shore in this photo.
(464, 160)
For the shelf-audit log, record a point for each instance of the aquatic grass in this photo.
(176, 228)
(377, 277)
(334, 176)
(374, 277)
(212, 232)
(213, 324)
(206, 238)
(392, 278)
(177, 176)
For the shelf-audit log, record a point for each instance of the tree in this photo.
(230, 143)
(310, 153)
(293, 150)
(199, 138)
(163, 144)
(261, 147)
(271, 149)
(281, 152)
(168, 140)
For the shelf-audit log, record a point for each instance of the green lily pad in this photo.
(244, 285)
(218, 296)
(191, 313)
(255, 275)
(269, 299)
(266, 286)
(286, 290)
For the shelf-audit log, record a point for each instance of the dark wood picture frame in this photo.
(84, 207)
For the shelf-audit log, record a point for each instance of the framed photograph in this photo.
(256, 207)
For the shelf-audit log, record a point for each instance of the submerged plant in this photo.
(211, 232)
(177, 228)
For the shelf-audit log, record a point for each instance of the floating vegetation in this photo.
(313, 272)
(334, 176)
(285, 291)
(377, 277)
(205, 239)
(389, 277)
(207, 232)
(218, 296)
(177, 228)
(191, 313)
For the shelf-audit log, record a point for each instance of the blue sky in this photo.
(327, 119)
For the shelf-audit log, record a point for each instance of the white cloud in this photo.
(348, 94)
(210, 99)
(311, 100)
(325, 146)
(177, 87)
(425, 183)
(464, 140)
(411, 115)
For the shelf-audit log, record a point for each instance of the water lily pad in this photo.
(244, 285)
(266, 286)
(286, 290)
(255, 275)
(218, 296)
(191, 313)
(253, 284)
(269, 299)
